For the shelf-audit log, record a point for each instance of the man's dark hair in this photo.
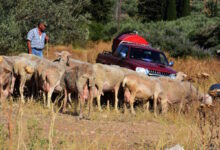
(42, 22)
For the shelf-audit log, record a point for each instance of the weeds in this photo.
(3, 136)
(209, 125)
(51, 130)
(20, 128)
(35, 141)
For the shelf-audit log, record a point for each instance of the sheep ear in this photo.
(68, 54)
(7, 70)
(57, 53)
(75, 68)
(1, 59)
(29, 69)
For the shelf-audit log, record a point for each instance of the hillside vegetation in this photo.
(181, 27)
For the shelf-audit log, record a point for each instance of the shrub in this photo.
(211, 8)
(207, 37)
(96, 31)
(171, 10)
(67, 20)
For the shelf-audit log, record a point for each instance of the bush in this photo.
(67, 20)
(207, 37)
(96, 31)
(211, 8)
(172, 36)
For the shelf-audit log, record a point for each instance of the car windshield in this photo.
(148, 56)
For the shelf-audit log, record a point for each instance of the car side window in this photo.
(121, 48)
(118, 50)
(124, 50)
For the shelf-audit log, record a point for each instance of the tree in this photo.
(67, 19)
(211, 7)
(151, 10)
(101, 10)
(171, 10)
(186, 8)
(183, 8)
(129, 7)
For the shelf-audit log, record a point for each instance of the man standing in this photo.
(36, 39)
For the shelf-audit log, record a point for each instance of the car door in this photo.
(120, 55)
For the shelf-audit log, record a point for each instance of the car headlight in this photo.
(142, 70)
(172, 76)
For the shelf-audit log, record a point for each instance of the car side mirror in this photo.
(122, 55)
(171, 64)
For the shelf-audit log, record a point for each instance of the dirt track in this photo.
(106, 130)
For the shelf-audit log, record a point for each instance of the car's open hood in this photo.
(153, 66)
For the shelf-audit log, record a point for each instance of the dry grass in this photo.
(194, 66)
(110, 130)
(86, 54)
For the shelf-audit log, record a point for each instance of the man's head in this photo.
(42, 26)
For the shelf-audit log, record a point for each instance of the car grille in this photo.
(157, 73)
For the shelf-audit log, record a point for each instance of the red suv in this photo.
(139, 57)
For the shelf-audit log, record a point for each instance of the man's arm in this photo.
(30, 36)
(46, 39)
(29, 47)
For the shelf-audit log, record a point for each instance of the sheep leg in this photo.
(81, 105)
(65, 100)
(44, 97)
(108, 105)
(146, 106)
(12, 84)
(32, 92)
(21, 88)
(69, 98)
(49, 95)
(36, 84)
(180, 107)
(155, 104)
(125, 108)
(116, 97)
(99, 101)
(90, 102)
(76, 105)
(164, 106)
(132, 103)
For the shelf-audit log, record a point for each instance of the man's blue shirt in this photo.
(36, 41)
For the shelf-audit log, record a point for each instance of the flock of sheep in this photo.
(88, 81)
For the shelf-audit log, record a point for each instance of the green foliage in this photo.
(130, 8)
(171, 10)
(67, 20)
(34, 134)
(154, 10)
(96, 31)
(211, 8)
(183, 8)
(186, 8)
(207, 37)
(101, 10)
(151, 9)
(76, 21)
(173, 36)
(196, 7)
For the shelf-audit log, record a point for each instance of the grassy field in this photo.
(32, 126)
